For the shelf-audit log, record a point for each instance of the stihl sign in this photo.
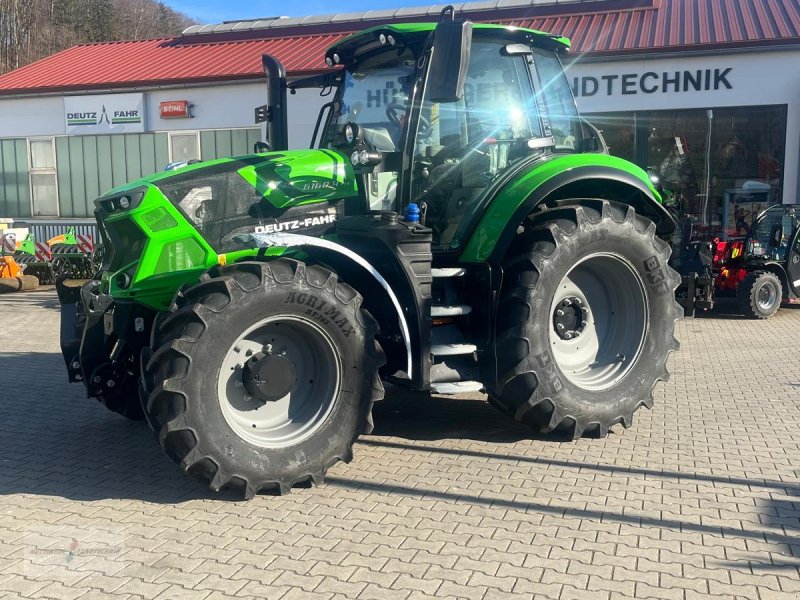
(175, 109)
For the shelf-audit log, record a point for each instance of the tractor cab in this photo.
(774, 234)
(439, 114)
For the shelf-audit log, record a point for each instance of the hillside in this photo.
(33, 29)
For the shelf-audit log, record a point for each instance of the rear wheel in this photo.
(586, 319)
(759, 294)
(263, 376)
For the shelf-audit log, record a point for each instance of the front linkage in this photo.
(101, 340)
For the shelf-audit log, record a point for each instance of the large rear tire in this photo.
(263, 376)
(759, 295)
(585, 321)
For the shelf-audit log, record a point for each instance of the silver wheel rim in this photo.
(598, 321)
(306, 366)
(766, 296)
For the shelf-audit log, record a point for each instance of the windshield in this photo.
(374, 95)
(562, 117)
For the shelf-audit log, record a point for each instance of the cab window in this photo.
(461, 147)
(561, 119)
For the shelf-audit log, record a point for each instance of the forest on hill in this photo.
(33, 29)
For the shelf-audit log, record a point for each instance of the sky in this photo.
(216, 11)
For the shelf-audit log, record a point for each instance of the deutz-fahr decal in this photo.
(308, 220)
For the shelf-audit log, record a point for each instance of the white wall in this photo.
(28, 117)
(214, 107)
(756, 78)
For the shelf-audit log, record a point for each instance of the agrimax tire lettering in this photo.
(656, 276)
(321, 311)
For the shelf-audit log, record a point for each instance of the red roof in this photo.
(673, 25)
(163, 61)
(601, 27)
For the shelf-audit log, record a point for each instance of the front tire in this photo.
(759, 295)
(586, 319)
(263, 376)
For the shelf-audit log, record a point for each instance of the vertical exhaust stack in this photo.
(275, 117)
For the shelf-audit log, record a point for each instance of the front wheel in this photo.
(759, 294)
(263, 376)
(586, 319)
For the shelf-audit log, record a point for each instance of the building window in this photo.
(184, 146)
(719, 166)
(44, 188)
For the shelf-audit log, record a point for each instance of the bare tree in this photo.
(33, 29)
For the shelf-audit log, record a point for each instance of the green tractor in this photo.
(456, 228)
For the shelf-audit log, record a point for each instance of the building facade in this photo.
(706, 94)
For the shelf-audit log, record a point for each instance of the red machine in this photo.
(728, 264)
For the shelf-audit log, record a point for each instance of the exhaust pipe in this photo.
(274, 113)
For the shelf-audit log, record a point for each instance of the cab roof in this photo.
(417, 30)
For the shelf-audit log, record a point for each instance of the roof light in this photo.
(391, 40)
(336, 58)
(329, 61)
(382, 39)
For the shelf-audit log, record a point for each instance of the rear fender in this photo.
(379, 298)
(589, 181)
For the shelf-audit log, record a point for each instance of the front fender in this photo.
(571, 176)
(326, 250)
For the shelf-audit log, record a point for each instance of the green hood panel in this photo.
(288, 178)
(299, 177)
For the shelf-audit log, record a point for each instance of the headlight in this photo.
(349, 134)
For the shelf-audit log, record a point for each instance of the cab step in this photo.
(456, 387)
(448, 272)
(453, 349)
(450, 311)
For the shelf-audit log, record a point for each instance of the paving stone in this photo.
(446, 498)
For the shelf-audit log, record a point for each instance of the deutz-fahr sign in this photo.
(107, 113)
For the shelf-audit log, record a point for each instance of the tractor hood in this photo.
(226, 200)
(283, 179)
(178, 223)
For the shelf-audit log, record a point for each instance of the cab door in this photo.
(793, 255)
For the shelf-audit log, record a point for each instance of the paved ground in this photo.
(445, 499)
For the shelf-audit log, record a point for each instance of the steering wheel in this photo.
(393, 111)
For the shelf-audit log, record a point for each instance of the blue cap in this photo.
(412, 213)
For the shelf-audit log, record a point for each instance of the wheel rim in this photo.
(599, 319)
(279, 381)
(766, 296)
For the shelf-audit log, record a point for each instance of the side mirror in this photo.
(260, 147)
(452, 41)
(592, 140)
